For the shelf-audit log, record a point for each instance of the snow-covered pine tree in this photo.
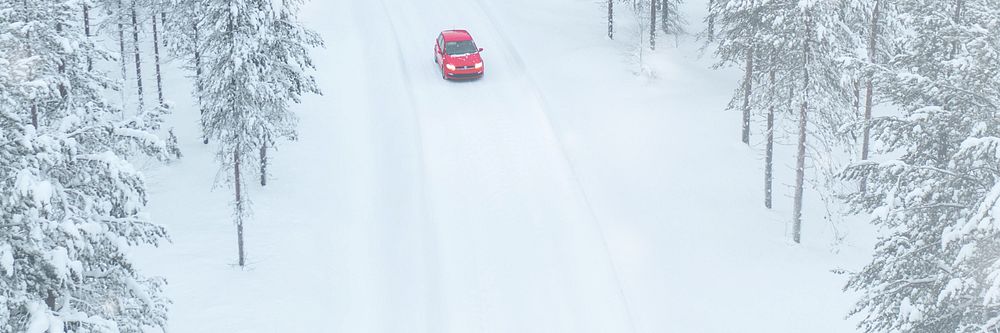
(136, 54)
(736, 28)
(806, 39)
(256, 64)
(876, 24)
(936, 268)
(186, 34)
(71, 204)
(157, 6)
(671, 21)
(290, 48)
(737, 41)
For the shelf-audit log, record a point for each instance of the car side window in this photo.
(441, 43)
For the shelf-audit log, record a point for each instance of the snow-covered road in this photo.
(560, 193)
(502, 230)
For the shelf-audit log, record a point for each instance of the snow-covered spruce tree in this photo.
(71, 205)
(937, 266)
(256, 65)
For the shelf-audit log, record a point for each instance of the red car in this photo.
(457, 55)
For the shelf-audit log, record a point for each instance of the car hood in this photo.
(464, 59)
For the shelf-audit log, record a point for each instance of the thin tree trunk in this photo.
(163, 21)
(800, 165)
(769, 157)
(31, 76)
(652, 25)
(156, 57)
(138, 60)
(800, 161)
(239, 204)
(121, 48)
(86, 31)
(664, 16)
(856, 86)
(263, 163)
(61, 68)
(958, 19)
(611, 19)
(34, 115)
(711, 21)
(198, 80)
(747, 89)
(870, 86)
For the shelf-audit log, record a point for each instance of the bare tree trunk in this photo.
(957, 18)
(86, 31)
(611, 19)
(652, 25)
(856, 86)
(163, 20)
(121, 48)
(62, 69)
(711, 22)
(747, 89)
(800, 165)
(800, 161)
(156, 57)
(263, 163)
(870, 86)
(198, 79)
(769, 156)
(31, 76)
(238, 187)
(664, 17)
(138, 60)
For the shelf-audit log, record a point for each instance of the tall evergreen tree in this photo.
(736, 28)
(671, 21)
(807, 39)
(936, 269)
(186, 34)
(70, 202)
(257, 67)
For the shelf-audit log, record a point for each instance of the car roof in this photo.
(456, 35)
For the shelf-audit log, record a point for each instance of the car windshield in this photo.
(460, 47)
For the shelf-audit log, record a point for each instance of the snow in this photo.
(6, 259)
(28, 185)
(560, 193)
(39, 318)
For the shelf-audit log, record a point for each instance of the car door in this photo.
(439, 49)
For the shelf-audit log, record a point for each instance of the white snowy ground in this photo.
(561, 193)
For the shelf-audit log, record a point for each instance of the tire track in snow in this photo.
(432, 267)
(542, 106)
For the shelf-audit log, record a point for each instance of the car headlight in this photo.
(479, 65)
(450, 67)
